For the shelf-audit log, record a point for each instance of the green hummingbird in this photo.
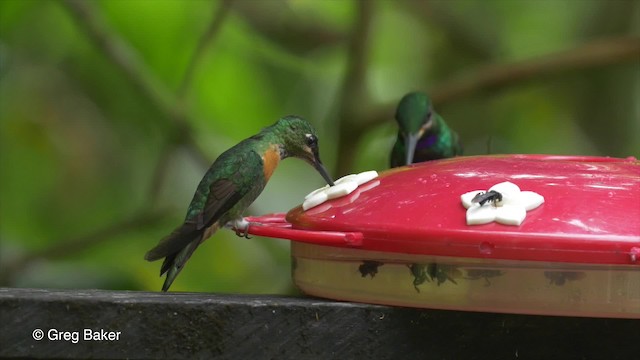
(423, 134)
(231, 184)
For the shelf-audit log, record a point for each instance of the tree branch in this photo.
(285, 28)
(65, 248)
(125, 58)
(595, 54)
(207, 39)
(122, 55)
(459, 32)
(184, 134)
(353, 91)
(598, 53)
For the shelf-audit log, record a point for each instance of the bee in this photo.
(491, 196)
(442, 273)
(419, 273)
(369, 267)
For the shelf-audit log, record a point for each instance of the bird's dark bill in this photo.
(411, 141)
(323, 171)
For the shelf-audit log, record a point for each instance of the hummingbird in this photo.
(423, 134)
(231, 184)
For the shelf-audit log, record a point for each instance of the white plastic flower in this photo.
(343, 186)
(510, 210)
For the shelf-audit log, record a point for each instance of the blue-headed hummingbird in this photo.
(422, 134)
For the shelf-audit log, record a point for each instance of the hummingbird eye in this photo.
(312, 140)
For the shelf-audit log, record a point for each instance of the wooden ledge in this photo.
(190, 326)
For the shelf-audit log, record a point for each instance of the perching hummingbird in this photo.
(422, 135)
(231, 184)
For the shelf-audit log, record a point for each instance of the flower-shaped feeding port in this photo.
(343, 187)
(503, 203)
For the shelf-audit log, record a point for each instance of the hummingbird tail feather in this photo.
(174, 263)
(176, 249)
(173, 243)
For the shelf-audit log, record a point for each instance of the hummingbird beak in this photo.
(410, 141)
(321, 169)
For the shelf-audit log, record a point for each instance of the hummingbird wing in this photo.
(223, 195)
(233, 180)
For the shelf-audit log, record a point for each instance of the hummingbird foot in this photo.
(240, 226)
(243, 233)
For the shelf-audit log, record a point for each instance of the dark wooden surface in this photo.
(192, 326)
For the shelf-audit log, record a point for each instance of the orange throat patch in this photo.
(270, 160)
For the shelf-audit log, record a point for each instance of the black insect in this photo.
(369, 267)
(489, 196)
(419, 273)
(475, 274)
(442, 273)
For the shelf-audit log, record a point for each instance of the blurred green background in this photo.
(111, 111)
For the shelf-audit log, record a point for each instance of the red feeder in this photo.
(403, 239)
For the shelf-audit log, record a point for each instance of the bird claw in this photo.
(243, 233)
(240, 226)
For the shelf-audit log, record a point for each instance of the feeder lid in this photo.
(590, 213)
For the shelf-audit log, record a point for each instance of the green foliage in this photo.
(81, 139)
